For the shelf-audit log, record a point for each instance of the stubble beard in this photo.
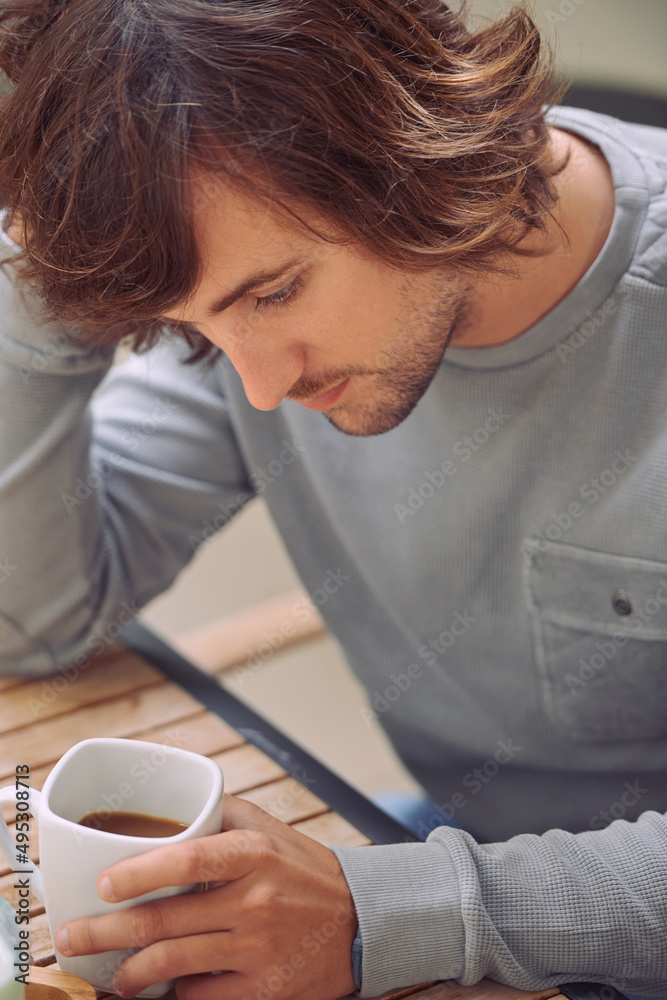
(406, 366)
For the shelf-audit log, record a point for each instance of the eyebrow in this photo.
(250, 284)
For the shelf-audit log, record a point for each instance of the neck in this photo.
(502, 308)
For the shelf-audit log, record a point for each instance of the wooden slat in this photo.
(332, 829)
(111, 655)
(202, 733)
(33, 853)
(35, 780)
(46, 698)
(8, 891)
(287, 800)
(246, 767)
(41, 946)
(45, 742)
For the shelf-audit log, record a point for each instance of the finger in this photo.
(240, 815)
(138, 926)
(222, 856)
(171, 959)
(237, 814)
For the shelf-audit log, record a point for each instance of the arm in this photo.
(102, 503)
(534, 912)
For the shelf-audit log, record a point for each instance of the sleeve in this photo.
(104, 497)
(532, 913)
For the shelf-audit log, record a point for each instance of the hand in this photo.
(280, 926)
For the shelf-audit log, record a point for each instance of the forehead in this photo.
(247, 241)
(237, 230)
(238, 234)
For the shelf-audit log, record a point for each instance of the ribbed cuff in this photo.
(408, 905)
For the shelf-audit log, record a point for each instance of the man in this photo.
(364, 210)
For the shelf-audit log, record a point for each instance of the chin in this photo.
(368, 421)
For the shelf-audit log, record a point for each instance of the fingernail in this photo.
(105, 889)
(62, 941)
(117, 985)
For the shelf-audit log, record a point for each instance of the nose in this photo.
(267, 375)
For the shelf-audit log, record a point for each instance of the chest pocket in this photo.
(600, 639)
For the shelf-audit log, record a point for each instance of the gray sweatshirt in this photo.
(495, 569)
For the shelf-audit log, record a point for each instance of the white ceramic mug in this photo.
(110, 775)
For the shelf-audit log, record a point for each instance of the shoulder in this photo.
(637, 155)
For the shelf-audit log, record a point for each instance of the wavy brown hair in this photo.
(414, 136)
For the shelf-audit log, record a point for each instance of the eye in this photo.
(280, 297)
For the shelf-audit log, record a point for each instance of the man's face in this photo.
(325, 325)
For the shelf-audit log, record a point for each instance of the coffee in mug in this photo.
(131, 824)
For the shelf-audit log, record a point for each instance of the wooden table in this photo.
(120, 694)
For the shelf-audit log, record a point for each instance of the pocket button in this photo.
(621, 603)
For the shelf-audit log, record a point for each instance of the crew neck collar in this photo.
(597, 284)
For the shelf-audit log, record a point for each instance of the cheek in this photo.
(350, 328)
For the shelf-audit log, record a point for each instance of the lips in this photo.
(327, 399)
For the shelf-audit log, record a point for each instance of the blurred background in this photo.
(614, 53)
